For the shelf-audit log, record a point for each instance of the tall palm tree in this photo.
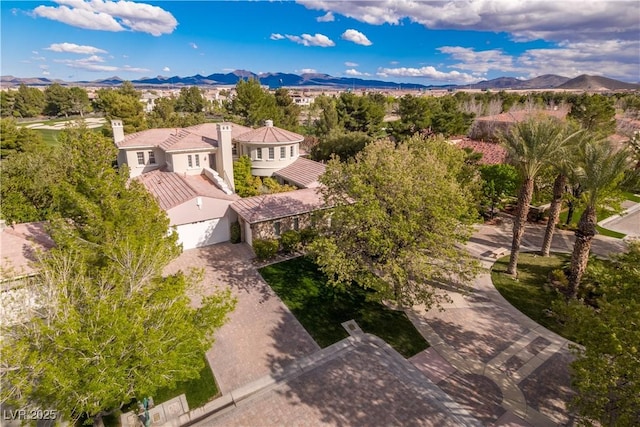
(601, 171)
(531, 145)
(564, 166)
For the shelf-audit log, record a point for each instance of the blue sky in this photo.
(461, 41)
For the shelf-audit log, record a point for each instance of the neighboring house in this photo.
(270, 215)
(490, 127)
(492, 153)
(148, 100)
(190, 171)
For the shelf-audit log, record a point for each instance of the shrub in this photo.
(236, 235)
(265, 248)
(307, 235)
(290, 240)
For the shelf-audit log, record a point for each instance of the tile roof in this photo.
(270, 135)
(18, 246)
(171, 189)
(492, 153)
(280, 205)
(520, 116)
(303, 172)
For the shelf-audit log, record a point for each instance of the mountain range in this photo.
(317, 80)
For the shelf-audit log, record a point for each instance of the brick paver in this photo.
(261, 335)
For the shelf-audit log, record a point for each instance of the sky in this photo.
(426, 42)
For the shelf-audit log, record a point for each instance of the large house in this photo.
(190, 172)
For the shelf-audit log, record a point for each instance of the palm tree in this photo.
(564, 166)
(601, 171)
(531, 145)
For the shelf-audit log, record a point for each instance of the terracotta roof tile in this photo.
(492, 154)
(18, 246)
(280, 205)
(303, 172)
(270, 135)
(520, 116)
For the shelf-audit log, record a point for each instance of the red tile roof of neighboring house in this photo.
(280, 205)
(18, 246)
(492, 154)
(522, 115)
(270, 135)
(171, 189)
(303, 172)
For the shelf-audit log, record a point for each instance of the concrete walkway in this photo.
(496, 362)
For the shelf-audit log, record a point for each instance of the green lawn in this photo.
(632, 197)
(529, 293)
(321, 308)
(198, 391)
(602, 214)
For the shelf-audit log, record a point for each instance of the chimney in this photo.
(118, 131)
(268, 123)
(224, 156)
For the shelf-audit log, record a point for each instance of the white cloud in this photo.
(276, 36)
(428, 72)
(35, 52)
(307, 71)
(328, 17)
(45, 73)
(357, 37)
(96, 63)
(523, 19)
(74, 48)
(166, 69)
(193, 45)
(309, 40)
(350, 64)
(354, 72)
(479, 61)
(107, 15)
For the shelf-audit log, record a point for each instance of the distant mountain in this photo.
(275, 80)
(585, 82)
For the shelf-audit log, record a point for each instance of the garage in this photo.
(203, 233)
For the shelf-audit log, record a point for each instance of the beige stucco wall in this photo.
(178, 161)
(130, 157)
(265, 166)
(266, 230)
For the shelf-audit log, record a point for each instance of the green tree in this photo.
(531, 145)
(7, 102)
(254, 104)
(344, 145)
(606, 372)
(57, 100)
(594, 112)
(498, 182)
(79, 99)
(109, 326)
(327, 120)
(16, 139)
(398, 218)
(246, 185)
(122, 103)
(601, 170)
(416, 115)
(449, 119)
(190, 100)
(289, 111)
(360, 113)
(28, 101)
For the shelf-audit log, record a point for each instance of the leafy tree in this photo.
(246, 185)
(601, 170)
(399, 217)
(344, 145)
(58, 100)
(190, 100)
(606, 371)
(79, 100)
(16, 139)
(531, 145)
(416, 115)
(328, 117)
(122, 103)
(289, 111)
(109, 326)
(360, 113)
(28, 101)
(498, 182)
(594, 112)
(449, 119)
(7, 101)
(254, 104)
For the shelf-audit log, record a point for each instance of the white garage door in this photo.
(203, 233)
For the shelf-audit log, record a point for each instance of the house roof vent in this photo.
(268, 123)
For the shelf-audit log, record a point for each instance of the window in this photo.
(189, 161)
(140, 158)
(259, 153)
(283, 152)
(296, 224)
(152, 158)
(197, 160)
(276, 228)
(272, 153)
(234, 149)
(291, 151)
